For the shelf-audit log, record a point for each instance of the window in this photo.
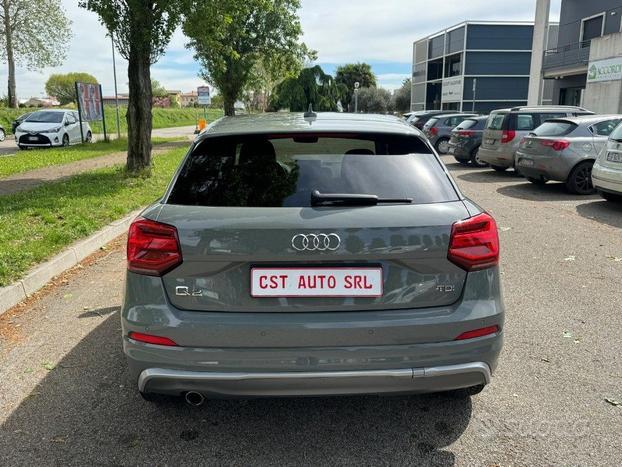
(495, 121)
(550, 116)
(555, 128)
(592, 28)
(453, 65)
(465, 125)
(605, 128)
(525, 122)
(616, 134)
(283, 170)
(71, 119)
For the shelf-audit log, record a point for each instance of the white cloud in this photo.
(341, 30)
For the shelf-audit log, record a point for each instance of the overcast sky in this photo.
(378, 32)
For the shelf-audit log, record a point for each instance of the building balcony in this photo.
(568, 57)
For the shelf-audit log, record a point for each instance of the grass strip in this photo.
(37, 224)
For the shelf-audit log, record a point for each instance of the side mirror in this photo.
(67, 123)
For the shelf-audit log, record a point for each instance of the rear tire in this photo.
(475, 160)
(442, 146)
(65, 140)
(466, 392)
(580, 179)
(498, 168)
(611, 197)
(537, 181)
(462, 161)
(89, 137)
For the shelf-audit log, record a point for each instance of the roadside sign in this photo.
(90, 101)
(203, 95)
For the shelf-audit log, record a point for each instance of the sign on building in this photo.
(452, 89)
(203, 95)
(90, 102)
(605, 70)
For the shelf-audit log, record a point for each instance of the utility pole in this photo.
(116, 95)
(540, 39)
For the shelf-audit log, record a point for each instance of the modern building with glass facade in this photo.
(476, 66)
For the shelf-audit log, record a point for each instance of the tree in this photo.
(311, 86)
(352, 73)
(34, 34)
(157, 90)
(141, 29)
(63, 87)
(230, 37)
(374, 100)
(401, 96)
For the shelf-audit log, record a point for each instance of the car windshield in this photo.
(495, 121)
(555, 128)
(284, 171)
(45, 117)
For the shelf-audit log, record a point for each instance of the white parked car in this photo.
(607, 170)
(55, 127)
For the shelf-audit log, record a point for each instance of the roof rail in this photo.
(536, 107)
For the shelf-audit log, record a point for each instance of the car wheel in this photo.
(442, 146)
(462, 161)
(89, 137)
(2, 134)
(580, 179)
(65, 140)
(475, 160)
(611, 197)
(537, 181)
(498, 168)
(466, 392)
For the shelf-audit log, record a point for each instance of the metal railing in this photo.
(567, 56)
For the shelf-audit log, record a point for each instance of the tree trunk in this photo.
(229, 104)
(139, 118)
(10, 58)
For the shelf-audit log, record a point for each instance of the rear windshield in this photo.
(555, 128)
(466, 124)
(283, 170)
(430, 123)
(495, 121)
(617, 133)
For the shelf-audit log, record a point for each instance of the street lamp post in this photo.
(474, 93)
(356, 97)
(116, 94)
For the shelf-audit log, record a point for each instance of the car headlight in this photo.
(55, 130)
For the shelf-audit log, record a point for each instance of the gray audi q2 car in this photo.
(307, 255)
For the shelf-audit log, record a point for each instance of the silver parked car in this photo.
(505, 129)
(607, 170)
(321, 254)
(565, 149)
(438, 129)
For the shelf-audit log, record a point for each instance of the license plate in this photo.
(32, 138)
(316, 282)
(614, 157)
(490, 141)
(525, 162)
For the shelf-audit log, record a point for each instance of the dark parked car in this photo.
(295, 255)
(419, 119)
(438, 129)
(466, 139)
(18, 121)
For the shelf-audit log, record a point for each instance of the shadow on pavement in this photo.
(489, 176)
(86, 410)
(550, 192)
(603, 211)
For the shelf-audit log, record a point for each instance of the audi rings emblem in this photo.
(316, 242)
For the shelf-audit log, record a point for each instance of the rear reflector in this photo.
(149, 339)
(507, 136)
(556, 144)
(152, 247)
(478, 333)
(474, 243)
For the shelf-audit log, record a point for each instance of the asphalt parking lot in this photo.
(65, 397)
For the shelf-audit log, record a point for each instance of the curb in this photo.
(13, 294)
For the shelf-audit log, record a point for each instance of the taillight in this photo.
(474, 243)
(481, 332)
(151, 339)
(507, 136)
(434, 130)
(556, 144)
(466, 133)
(152, 247)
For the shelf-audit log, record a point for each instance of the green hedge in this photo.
(162, 118)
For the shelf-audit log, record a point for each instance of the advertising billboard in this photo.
(90, 101)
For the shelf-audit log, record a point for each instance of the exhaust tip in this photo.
(194, 398)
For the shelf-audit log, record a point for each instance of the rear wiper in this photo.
(353, 199)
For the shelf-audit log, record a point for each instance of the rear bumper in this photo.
(242, 384)
(500, 158)
(606, 179)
